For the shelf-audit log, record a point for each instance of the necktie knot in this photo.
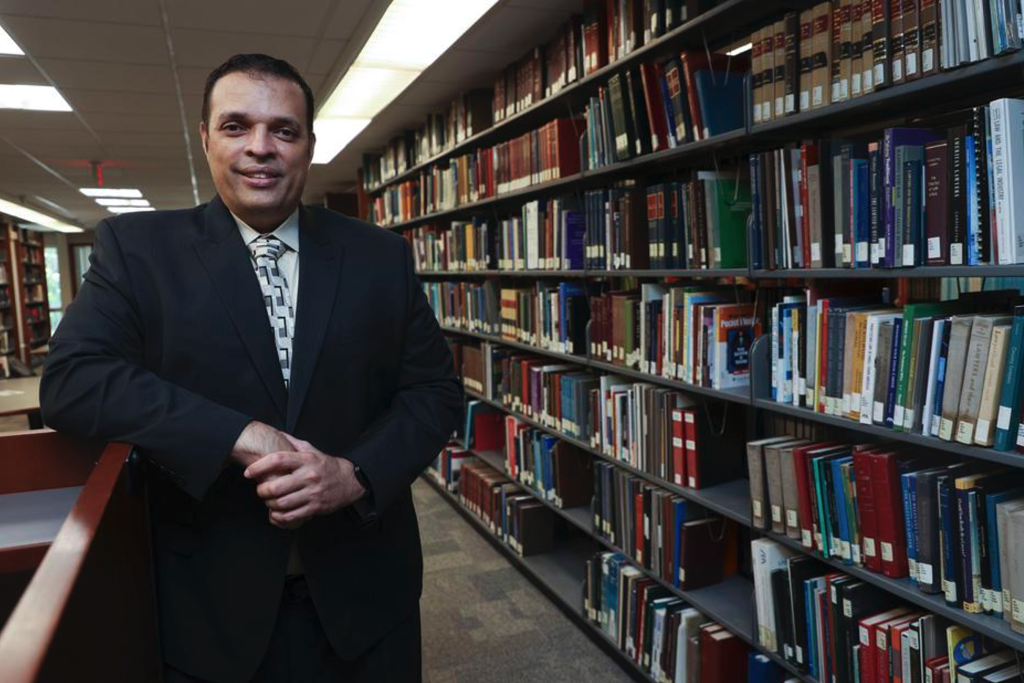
(267, 246)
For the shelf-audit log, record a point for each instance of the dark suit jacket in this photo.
(168, 346)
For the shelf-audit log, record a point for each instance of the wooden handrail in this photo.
(31, 628)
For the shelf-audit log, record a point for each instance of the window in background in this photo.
(80, 254)
(53, 286)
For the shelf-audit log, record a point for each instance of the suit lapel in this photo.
(320, 261)
(227, 261)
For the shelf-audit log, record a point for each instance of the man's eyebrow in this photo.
(277, 121)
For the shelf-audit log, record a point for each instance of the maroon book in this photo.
(936, 211)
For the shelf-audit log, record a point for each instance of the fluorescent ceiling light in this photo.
(34, 97)
(33, 216)
(7, 44)
(129, 209)
(124, 193)
(740, 50)
(410, 36)
(122, 202)
(332, 135)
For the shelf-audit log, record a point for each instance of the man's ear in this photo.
(204, 133)
(312, 147)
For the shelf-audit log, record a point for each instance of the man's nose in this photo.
(261, 143)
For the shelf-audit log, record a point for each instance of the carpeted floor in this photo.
(484, 621)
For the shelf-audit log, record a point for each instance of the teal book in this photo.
(1009, 399)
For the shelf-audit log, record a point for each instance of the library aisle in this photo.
(483, 620)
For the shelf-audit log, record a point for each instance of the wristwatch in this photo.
(363, 508)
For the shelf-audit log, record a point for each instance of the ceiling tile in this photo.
(324, 56)
(61, 39)
(159, 104)
(117, 11)
(210, 49)
(118, 121)
(14, 119)
(346, 17)
(93, 75)
(254, 16)
(19, 71)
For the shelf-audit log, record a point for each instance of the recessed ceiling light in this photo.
(410, 36)
(7, 44)
(124, 193)
(122, 202)
(740, 50)
(129, 209)
(34, 97)
(33, 216)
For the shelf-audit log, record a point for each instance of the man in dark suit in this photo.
(285, 425)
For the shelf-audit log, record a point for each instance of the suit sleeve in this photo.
(94, 383)
(397, 447)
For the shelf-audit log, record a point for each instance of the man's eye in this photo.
(287, 132)
(231, 128)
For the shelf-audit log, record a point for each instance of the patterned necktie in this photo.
(266, 250)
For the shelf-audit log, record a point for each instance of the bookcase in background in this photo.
(31, 301)
(493, 218)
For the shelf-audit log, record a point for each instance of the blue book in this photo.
(908, 488)
(575, 228)
(893, 138)
(991, 501)
(972, 206)
(548, 443)
(760, 669)
(949, 539)
(940, 378)
(1009, 400)
(810, 588)
(894, 356)
(720, 95)
(845, 538)
(679, 509)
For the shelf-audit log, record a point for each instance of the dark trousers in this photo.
(299, 651)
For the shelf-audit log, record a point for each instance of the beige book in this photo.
(848, 341)
(779, 61)
(821, 54)
(959, 337)
(767, 73)
(974, 375)
(1007, 551)
(867, 74)
(856, 46)
(773, 472)
(806, 63)
(857, 371)
(845, 53)
(1015, 531)
(984, 432)
(758, 482)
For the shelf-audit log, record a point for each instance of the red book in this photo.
(678, 448)
(868, 653)
(723, 656)
(690, 440)
(867, 511)
(885, 480)
(882, 643)
(805, 490)
(638, 533)
(487, 431)
(808, 157)
(656, 112)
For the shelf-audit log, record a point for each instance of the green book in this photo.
(727, 208)
(910, 312)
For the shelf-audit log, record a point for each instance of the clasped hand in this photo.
(295, 479)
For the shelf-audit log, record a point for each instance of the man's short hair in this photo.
(258, 65)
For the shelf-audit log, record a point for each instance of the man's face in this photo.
(258, 147)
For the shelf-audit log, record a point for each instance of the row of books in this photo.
(947, 369)
(661, 105)
(916, 197)
(844, 49)
(554, 469)
(699, 223)
(607, 32)
(953, 528)
(547, 153)
(669, 640)
(674, 539)
(511, 513)
(467, 115)
(655, 430)
(698, 335)
(837, 628)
